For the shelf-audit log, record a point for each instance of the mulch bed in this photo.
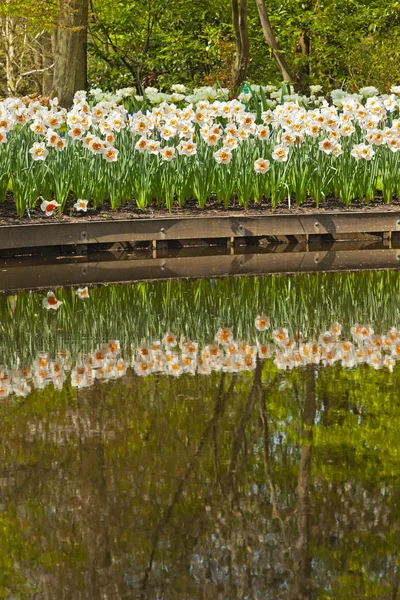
(8, 214)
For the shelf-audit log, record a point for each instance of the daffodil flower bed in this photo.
(185, 153)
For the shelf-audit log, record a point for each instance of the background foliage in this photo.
(133, 42)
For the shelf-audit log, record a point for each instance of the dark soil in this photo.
(129, 210)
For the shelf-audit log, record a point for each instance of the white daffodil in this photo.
(223, 156)
(81, 205)
(280, 154)
(262, 323)
(82, 292)
(51, 302)
(167, 153)
(49, 207)
(39, 151)
(110, 154)
(261, 165)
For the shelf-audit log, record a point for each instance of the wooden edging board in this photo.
(106, 268)
(15, 236)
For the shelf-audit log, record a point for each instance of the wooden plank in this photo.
(52, 274)
(169, 228)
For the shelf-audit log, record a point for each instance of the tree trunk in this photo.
(303, 73)
(43, 61)
(303, 565)
(246, 412)
(9, 32)
(304, 43)
(70, 58)
(239, 21)
(272, 42)
(48, 59)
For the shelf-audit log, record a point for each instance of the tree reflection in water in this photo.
(257, 484)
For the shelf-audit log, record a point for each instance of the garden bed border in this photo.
(237, 229)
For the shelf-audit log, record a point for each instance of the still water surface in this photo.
(158, 442)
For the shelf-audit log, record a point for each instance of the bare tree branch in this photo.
(273, 43)
(35, 71)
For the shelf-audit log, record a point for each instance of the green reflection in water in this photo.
(135, 313)
(260, 484)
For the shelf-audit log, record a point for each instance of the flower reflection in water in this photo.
(225, 354)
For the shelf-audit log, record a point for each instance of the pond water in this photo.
(159, 442)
